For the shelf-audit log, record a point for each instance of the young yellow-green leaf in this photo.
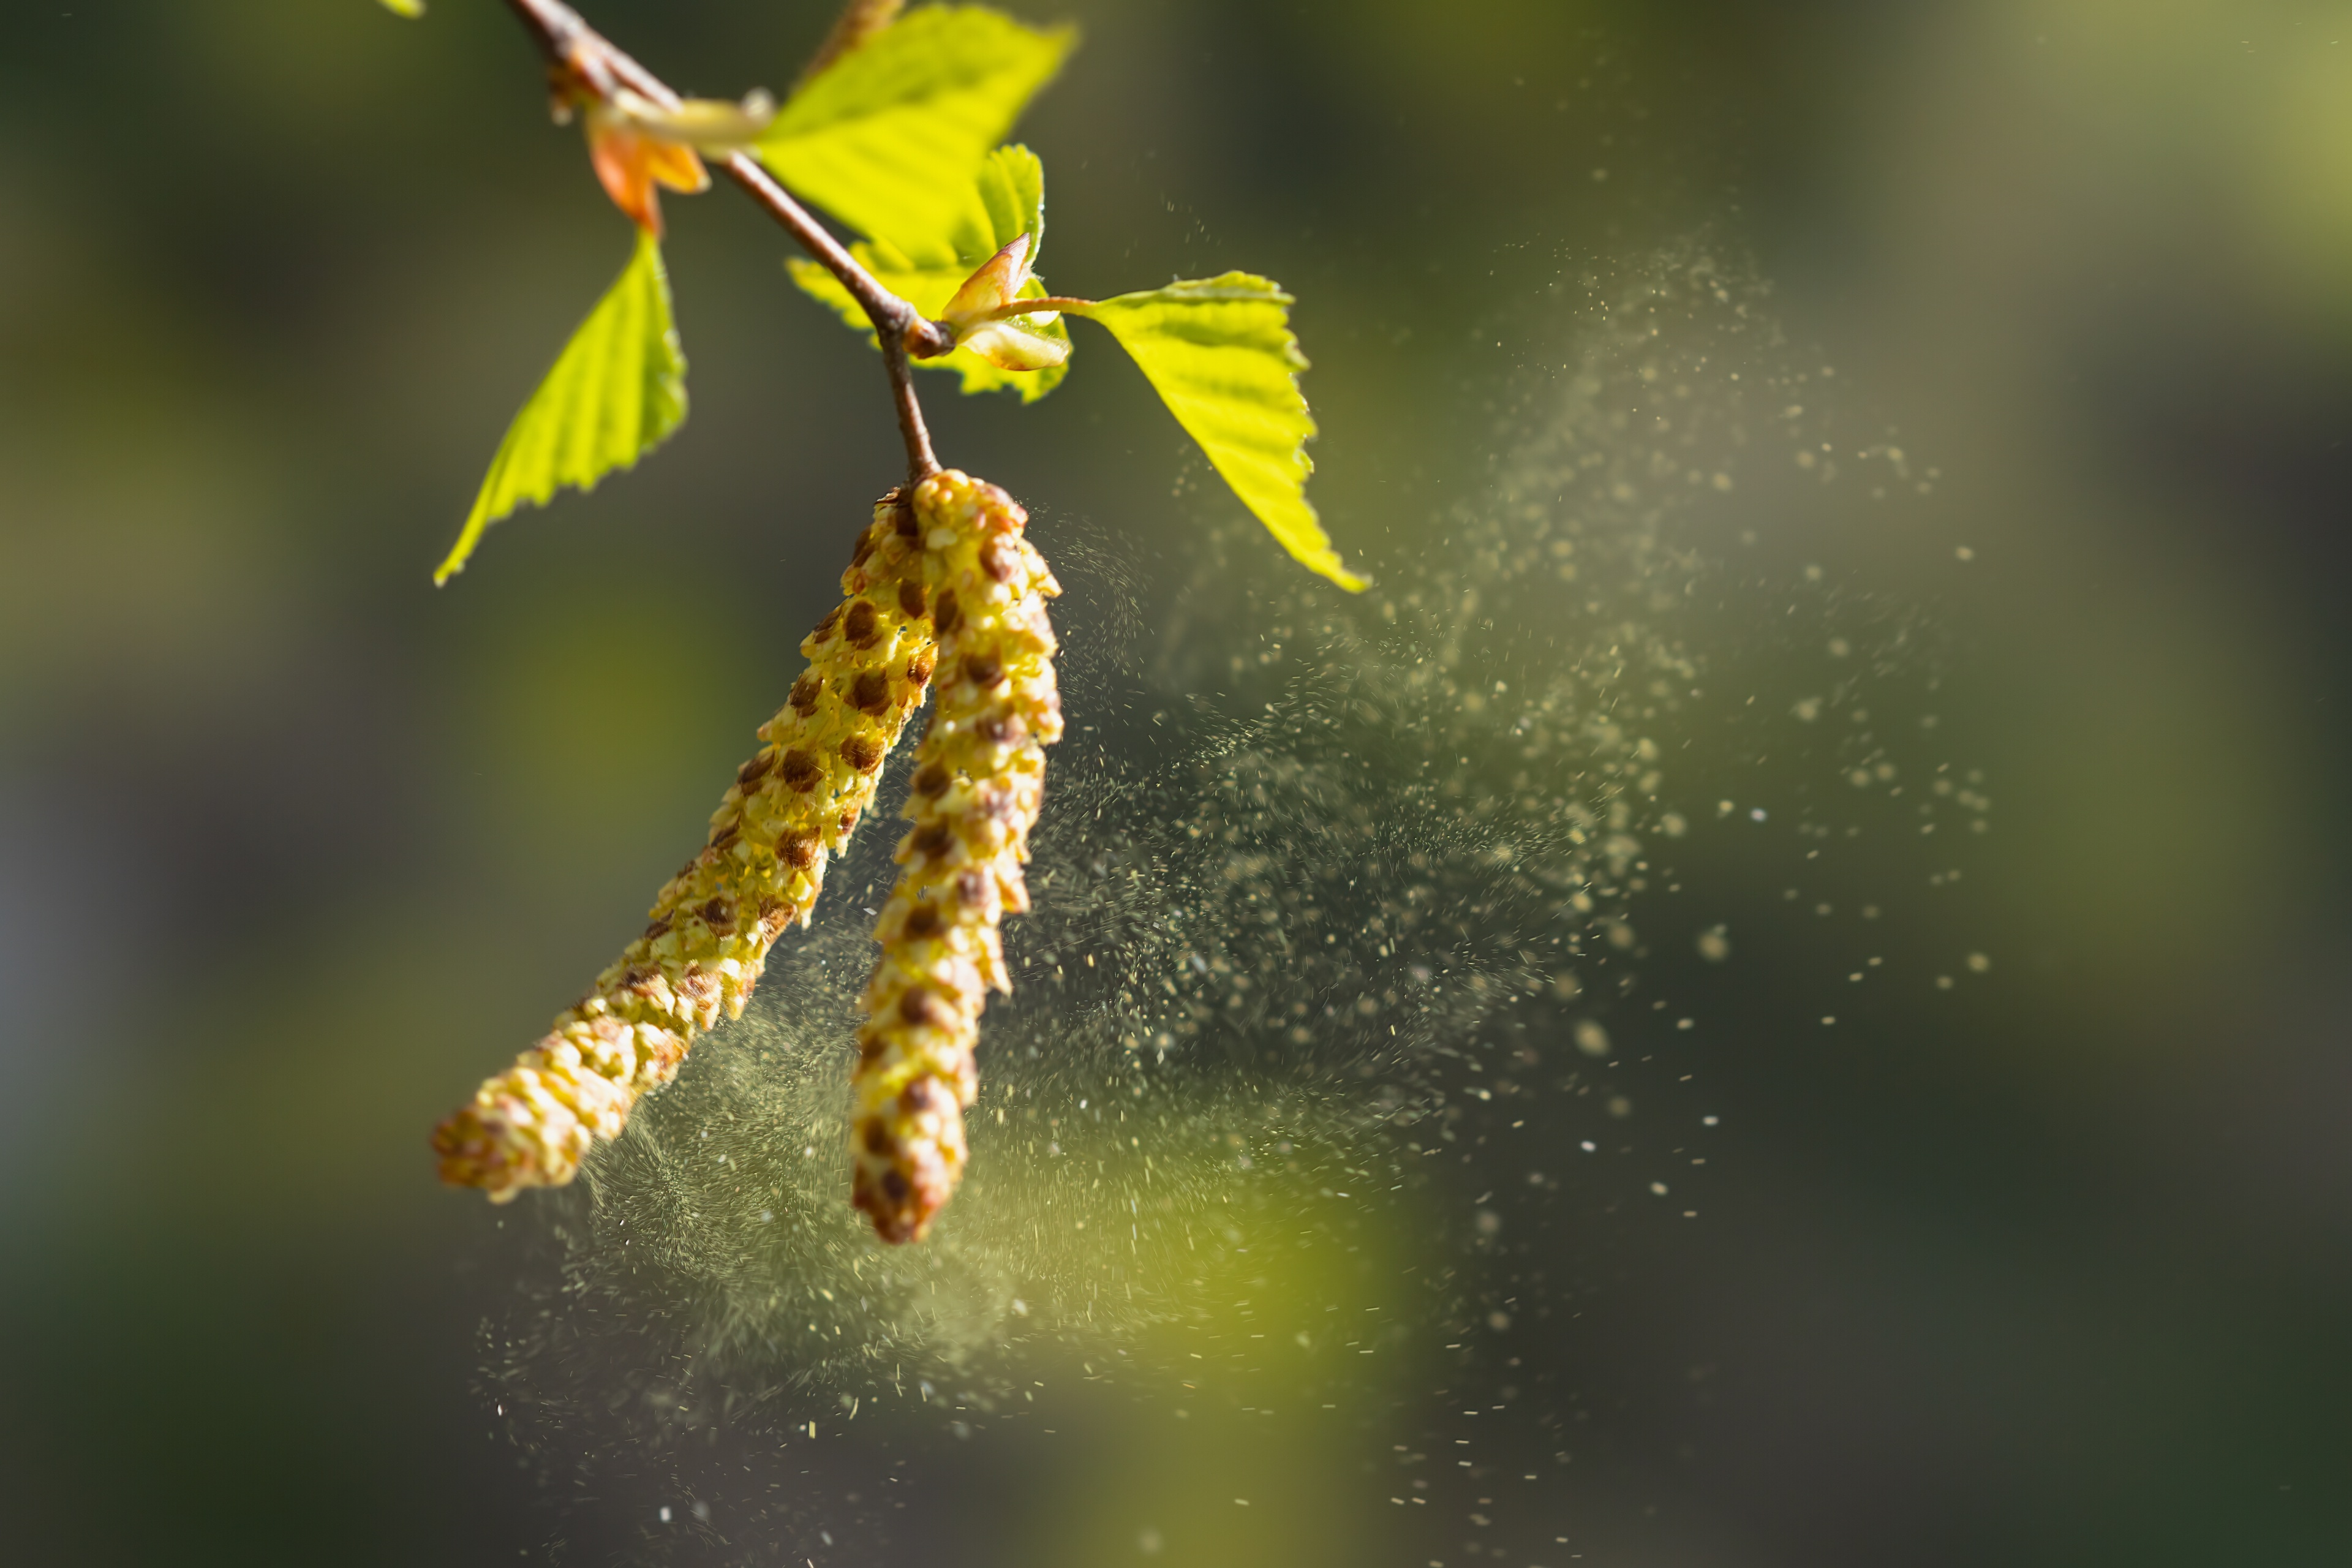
(617, 391)
(1008, 200)
(1018, 342)
(409, 8)
(1221, 354)
(887, 137)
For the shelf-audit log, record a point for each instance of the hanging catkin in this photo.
(791, 807)
(979, 780)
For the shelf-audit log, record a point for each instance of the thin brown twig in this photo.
(859, 20)
(571, 43)
(922, 461)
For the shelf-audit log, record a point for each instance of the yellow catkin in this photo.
(978, 781)
(791, 807)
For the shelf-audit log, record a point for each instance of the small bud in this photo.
(996, 282)
(1014, 342)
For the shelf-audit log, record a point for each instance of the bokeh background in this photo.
(2054, 1266)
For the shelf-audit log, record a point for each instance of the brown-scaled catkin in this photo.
(979, 780)
(791, 807)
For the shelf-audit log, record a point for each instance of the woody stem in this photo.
(572, 44)
(921, 462)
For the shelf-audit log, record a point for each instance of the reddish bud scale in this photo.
(791, 807)
(979, 780)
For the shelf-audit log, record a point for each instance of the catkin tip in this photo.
(794, 802)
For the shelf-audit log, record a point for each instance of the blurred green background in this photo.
(293, 848)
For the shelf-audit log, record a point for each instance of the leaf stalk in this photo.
(1031, 306)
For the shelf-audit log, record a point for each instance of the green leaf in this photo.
(1221, 354)
(409, 8)
(1006, 201)
(618, 390)
(887, 137)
